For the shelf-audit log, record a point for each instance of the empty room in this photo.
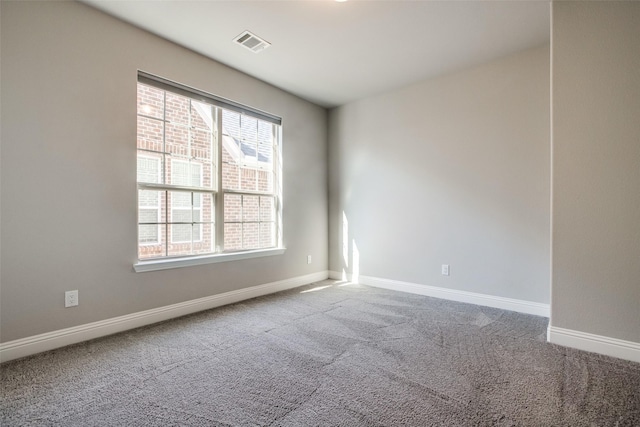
(319, 213)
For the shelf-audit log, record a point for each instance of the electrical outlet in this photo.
(308, 259)
(445, 269)
(71, 298)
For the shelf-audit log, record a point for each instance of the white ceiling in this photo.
(332, 53)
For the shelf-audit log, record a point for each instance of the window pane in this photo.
(245, 168)
(151, 241)
(231, 150)
(148, 233)
(250, 235)
(206, 205)
(151, 228)
(195, 174)
(267, 235)
(177, 108)
(232, 208)
(247, 148)
(187, 210)
(265, 154)
(183, 246)
(232, 236)
(188, 173)
(180, 200)
(179, 173)
(180, 212)
(149, 199)
(177, 139)
(180, 233)
(250, 208)
(250, 154)
(190, 239)
(201, 144)
(265, 133)
(230, 172)
(208, 176)
(150, 101)
(148, 216)
(231, 124)
(181, 215)
(248, 179)
(203, 240)
(267, 207)
(150, 134)
(265, 181)
(201, 231)
(249, 128)
(202, 116)
(149, 168)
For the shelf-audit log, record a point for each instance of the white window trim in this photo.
(169, 263)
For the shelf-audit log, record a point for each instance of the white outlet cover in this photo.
(445, 269)
(71, 298)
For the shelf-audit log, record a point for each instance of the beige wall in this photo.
(454, 170)
(68, 170)
(596, 168)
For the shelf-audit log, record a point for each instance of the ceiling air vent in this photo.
(252, 42)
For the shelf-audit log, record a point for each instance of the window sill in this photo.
(165, 264)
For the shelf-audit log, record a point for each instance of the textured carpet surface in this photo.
(325, 355)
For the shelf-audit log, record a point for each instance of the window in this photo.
(208, 174)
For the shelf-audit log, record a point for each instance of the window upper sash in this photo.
(168, 85)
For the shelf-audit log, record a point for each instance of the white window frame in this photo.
(218, 254)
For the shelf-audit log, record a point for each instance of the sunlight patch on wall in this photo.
(355, 266)
(345, 239)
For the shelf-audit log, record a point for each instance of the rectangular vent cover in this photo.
(252, 42)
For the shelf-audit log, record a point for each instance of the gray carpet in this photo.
(338, 356)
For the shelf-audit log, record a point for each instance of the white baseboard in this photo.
(520, 306)
(48, 341)
(614, 347)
